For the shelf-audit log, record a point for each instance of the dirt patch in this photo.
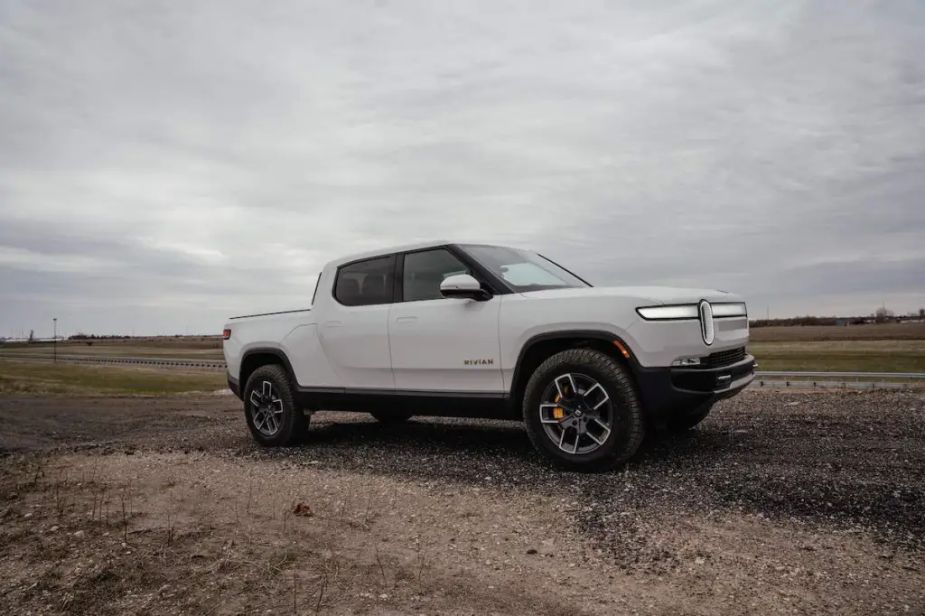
(39, 422)
(781, 503)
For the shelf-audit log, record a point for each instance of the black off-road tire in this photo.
(391, 418)
(628, 428)
(293, 423)
(681, 423)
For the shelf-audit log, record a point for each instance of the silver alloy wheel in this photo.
(576, 413)
(266, 409)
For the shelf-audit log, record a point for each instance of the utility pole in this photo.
(54, 344)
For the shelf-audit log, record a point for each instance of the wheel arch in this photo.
(262, 356)
(542, 346)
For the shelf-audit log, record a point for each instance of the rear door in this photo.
(437, 343)
(355, 330)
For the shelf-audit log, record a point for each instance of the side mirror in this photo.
(463, 285)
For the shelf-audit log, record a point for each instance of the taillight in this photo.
(226, 334)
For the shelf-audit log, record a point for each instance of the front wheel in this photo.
(581, 410)
(270, 410)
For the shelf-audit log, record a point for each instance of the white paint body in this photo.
(424, 345)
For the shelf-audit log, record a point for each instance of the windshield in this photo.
(523, 270)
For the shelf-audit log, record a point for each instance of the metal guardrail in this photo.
(774, 379)
(839, 375)
(161, 362)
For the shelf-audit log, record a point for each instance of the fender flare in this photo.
(276, 352)
(567, 334)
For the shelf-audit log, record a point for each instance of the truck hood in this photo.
(645, 295)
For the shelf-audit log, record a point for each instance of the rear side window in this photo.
(424, 271)
(365, 282)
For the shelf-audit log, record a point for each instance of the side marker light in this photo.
(621, 348)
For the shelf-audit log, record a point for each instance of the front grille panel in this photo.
(724, 358)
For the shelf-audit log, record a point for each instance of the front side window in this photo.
(424, 271)
(366, 282)
(522, 270)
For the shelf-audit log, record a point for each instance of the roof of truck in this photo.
(387, 251)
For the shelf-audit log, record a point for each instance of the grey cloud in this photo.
(199, 160)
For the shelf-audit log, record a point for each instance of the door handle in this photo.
(334, 324)
(405, 320)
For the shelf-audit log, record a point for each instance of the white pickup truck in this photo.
(487, 331)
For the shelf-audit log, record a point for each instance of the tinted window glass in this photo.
(424, 271)
(365, 282)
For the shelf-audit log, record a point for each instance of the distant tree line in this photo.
(881, 315)
(809, 320)
(96, 337)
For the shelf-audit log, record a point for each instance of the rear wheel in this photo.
(686, 421)
(391, 418)
(269, 408)
(582, 412)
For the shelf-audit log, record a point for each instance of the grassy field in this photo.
(823, 333)
(889, 347)
(841, 355)
(47, 378)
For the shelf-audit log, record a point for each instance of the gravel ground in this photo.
(836, 458)
(797, 502)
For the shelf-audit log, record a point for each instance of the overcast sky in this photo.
(166, 165)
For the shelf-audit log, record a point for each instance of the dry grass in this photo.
(185, 346)
(39, 377)
(821, 333)
(842, 355)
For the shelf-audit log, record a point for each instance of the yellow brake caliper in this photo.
(558, 412)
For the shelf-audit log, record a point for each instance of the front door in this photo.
(441, 344)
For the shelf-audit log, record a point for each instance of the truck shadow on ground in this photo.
(468, 451)
(489, 439)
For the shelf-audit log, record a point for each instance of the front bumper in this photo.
(668, 391)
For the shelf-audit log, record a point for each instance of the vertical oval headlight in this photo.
(706, 322)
